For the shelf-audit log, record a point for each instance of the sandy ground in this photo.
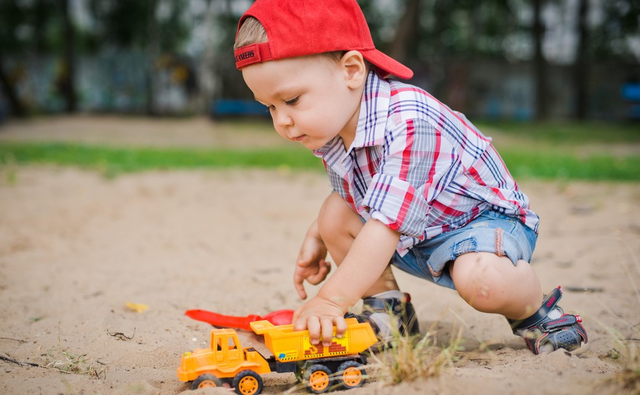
(75, 248)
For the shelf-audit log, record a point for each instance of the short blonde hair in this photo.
(251, 32)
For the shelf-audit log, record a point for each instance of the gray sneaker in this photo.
(385, 310)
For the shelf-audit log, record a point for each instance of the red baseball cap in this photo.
(311, 27)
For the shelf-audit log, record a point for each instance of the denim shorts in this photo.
(490, 232)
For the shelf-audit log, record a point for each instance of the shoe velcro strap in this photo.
(554, 325)
(364, 318)
(548, 304)
(383, 304)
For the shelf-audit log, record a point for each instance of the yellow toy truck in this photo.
(319, 368)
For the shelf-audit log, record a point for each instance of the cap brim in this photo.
(387, 64)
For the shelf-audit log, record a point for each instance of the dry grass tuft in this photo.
(417, 357)
(629, 349)
(628, 380)
(66, 362)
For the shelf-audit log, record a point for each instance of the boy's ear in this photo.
(355, 68)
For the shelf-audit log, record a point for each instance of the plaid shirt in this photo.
(419, 167)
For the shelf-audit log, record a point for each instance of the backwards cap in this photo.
(311, 27)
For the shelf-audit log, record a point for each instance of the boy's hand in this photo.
(319, 316)
(311, 264)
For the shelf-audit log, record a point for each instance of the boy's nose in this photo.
(282, 119)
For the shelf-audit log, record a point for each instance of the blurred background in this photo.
(497, 59)
(135, 166)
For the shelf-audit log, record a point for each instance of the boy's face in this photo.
(310, 98)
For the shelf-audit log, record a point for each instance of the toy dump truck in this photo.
(319, 368)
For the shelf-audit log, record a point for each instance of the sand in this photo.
(76, 247)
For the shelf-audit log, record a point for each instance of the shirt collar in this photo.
(374, 110)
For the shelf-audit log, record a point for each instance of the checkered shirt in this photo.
(419, 167)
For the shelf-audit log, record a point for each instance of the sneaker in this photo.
(385, 310)
(550, 328)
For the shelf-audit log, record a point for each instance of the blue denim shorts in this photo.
(490, 232)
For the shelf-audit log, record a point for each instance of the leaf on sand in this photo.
(137, 307)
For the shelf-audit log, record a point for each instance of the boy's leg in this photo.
(338, 226)
(492, 284)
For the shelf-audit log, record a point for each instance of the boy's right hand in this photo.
(311, 265)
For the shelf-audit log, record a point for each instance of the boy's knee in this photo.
(336, 218)
(477, 277)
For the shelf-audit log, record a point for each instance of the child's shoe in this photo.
(385, 310)
(549, 328)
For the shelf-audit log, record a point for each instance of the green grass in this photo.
(554, 150)
(565, 133)
(112, 161)
(550, 165)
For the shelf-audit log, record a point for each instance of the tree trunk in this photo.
(39, 26)
(406, 30)
(9, 90)
(153, 49)
(207, 76)
(581, 72)
(69, 72)
(540, 64)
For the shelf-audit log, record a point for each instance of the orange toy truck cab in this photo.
(225, 359)
(319, 368)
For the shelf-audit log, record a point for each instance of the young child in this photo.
(415, 184)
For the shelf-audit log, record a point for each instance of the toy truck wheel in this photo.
(351, 374)
(247, 382)
(205, 381)
(318, 379)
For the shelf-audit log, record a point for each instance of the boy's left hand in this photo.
(319, 316)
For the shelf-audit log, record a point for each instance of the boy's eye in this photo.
(292, 101)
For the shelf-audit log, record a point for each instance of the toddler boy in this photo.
(415, 184)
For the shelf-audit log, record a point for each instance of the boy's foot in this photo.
(550, 328)
(386, 310)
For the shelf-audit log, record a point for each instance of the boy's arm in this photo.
(362, 267)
